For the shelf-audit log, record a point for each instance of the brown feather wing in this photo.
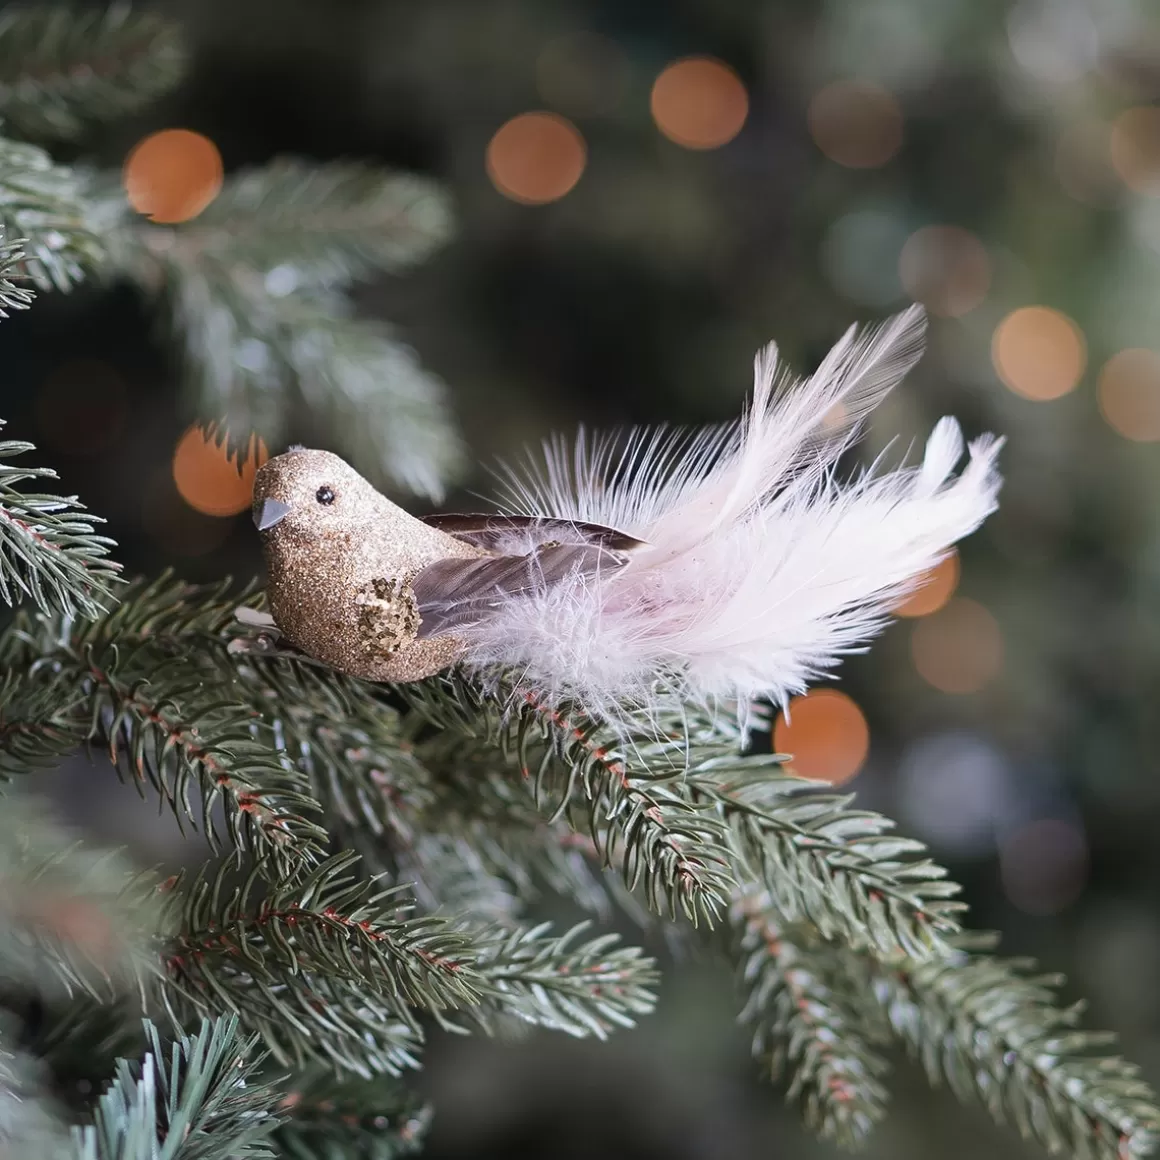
(497, 531)
(455, 593)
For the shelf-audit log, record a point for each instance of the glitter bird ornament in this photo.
(718, 565)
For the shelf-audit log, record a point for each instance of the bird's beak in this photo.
(271, 511)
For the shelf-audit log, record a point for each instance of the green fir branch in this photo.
(685, 815)
(30, 1124)
(47, 207)
(253, 285)
(329, 1119)
(12, 295)
(151, 686)
(309, 977)
(589, 988)
(329, 924)
(42, 720)
(49, 550)
(317, 225)
(993, 1031)
(203, 1099)
(72, 920)
(806, 1028)
(393, 414)
(638, 815)
(62, 69)
(305, 1019)
(837, 868)
(164, 728)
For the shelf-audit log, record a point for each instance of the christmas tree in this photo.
(378, 852)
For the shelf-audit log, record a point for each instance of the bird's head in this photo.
(307, 496)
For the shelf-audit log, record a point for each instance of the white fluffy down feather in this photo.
(760, 569)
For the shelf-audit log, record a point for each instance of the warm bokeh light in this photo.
(699, 103)
(856, 123)
(827, 735)
(959, 648)
(536, 158)
(1039, 353)
(946, 269)
(171, 176)
(1044, 866)
(209, 478)
(583, 74)
(82, 407)
(1129, 394)
(935, 590)
(1136, 148)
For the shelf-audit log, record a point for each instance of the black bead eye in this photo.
(324, 495)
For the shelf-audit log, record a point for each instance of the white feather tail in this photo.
(760, 569)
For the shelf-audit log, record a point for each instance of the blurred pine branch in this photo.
(62, 69)
(255, 283)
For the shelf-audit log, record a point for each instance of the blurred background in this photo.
(644, 193)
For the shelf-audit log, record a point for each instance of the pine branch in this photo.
(147, 686)
(29, 1125)
(470, 840)
(197, 747)
(330, 924)
(305, 1019)
(497, 870)
(41, 721)
(992, 1030)
(316, 225)
(61, 69)
(324, 971)
(48, 547)
(254, 360)
(269, 341)
(684, 811)
(201, 1100)
(582, 989)
(837, 868)
(12, 296)
(72, 920)
(350, 1120)
(46, 206)
(392, 413)
(636, 812)
(805, 1026)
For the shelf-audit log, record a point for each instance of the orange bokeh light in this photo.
(699, 102)
(210, 479)
(856, 123)
(946, 269)
(1136, 148)
(536, 158)
(1039, 353)
(171, 176)
(1129, 394)
(959, 648)
(827, 735)
(935, 590)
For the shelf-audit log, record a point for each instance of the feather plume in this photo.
(757, 569)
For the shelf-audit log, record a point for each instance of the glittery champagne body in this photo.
(340, 557)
